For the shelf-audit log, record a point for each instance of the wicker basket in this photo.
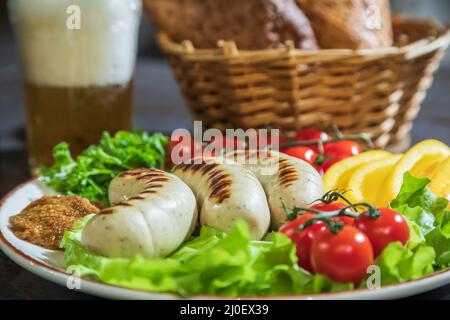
(376, 91)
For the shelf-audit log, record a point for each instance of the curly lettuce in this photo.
(89, 175)
(398, 263)
(439, 239)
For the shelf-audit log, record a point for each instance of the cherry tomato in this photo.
(343, 257)
(311, 135)
(307, 154)
(338, 151)
(303, 153)
(303, 239)
(291, 228)
(185, 146)
(342, 148)
(335, 206)
(389, 227)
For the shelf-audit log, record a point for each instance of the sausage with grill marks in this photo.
(153, 212)
(286, 180)
(226, 193)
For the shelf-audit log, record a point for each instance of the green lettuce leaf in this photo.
(415, 193)
(416, 236)
(429, 222)
(418, 204)
(397, 263)
(439, 238)
(91, 172)
(212, 263)
(419, 216)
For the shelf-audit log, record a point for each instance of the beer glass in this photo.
(77, 59)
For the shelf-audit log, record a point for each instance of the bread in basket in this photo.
(378, 91)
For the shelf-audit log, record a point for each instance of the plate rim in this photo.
(48, 272)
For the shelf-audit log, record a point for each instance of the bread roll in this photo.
(252, 24)
(350, 23)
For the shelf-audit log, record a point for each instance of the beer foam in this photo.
(102, 52)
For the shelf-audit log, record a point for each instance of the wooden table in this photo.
(159, 107)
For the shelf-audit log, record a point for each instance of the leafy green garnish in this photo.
(415, 193)
(439, 238)
(398, 263)
(91, 172)
(212, 263)
(427, 216)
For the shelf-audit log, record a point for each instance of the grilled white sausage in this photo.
(226, 193)
(286, 180)
(153, 212)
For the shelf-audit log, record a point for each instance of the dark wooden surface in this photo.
(159, 107)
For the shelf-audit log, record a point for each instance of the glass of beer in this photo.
(78, 59)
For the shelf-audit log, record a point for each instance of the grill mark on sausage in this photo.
(155, 178)
(154, 181)
(181, 166)
(136, 198)
(149, 191)
(218, 178)
(133, 173)
(214, 174)
(111, 210)
(287, 173)
(150, 176)
(221, 191)
(123, 204)
(160, 179)
(208, 167)
(151, 186)
(107, 211)
(219, 182)
(194, 167)
(252, 154)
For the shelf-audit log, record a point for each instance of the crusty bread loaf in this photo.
(349, 23)
(252, 24)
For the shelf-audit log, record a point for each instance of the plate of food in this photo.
(115, 222)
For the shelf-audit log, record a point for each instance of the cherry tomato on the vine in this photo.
(389, 227)
(339, 150)
(303, 239)
(305, 153)
(343, 257)
(342, 148)
(311, 135)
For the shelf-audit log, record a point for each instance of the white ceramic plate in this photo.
(49, 264)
